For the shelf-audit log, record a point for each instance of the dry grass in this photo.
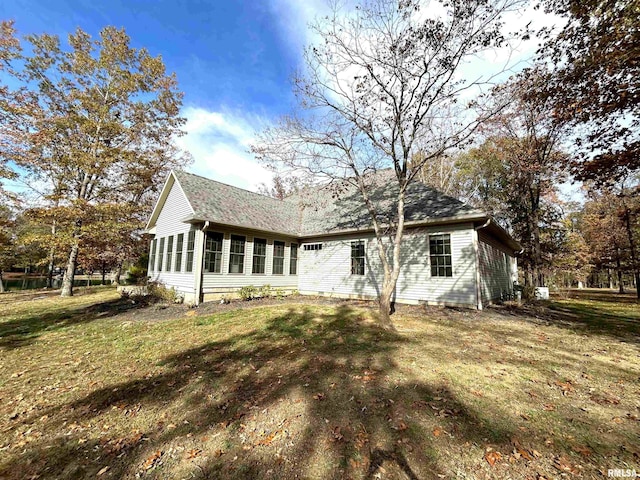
(93, 386)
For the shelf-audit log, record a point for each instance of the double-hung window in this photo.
(236, 255)
(213, 252)
(152, 257)
(259, 255)
(278, 258)
(191, 238)
(440, 255)
(293, 259)
(357, 257)
(179, 247)
(160, 254)
(169, 253)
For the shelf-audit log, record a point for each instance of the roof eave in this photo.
(414, 223)
(193, 219)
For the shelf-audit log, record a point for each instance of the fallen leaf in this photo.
(566, 387)
(563, 464)
(548, 407)
(437, 432)
(319, 396)
(492, 457)
(152, 460)
(582, 450)
(193, 453)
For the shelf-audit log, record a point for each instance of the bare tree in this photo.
(385, 81)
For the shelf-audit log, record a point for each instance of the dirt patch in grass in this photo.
(293, 390)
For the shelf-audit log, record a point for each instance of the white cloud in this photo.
(219, 142)
(294, 17)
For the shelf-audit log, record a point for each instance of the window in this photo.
(152, 257)
(278, 258)
(313, 246)
(440, 255)
(160, 254)
(236, 256)
(213, 252)
(357, 257)
(169, 253)
(259, 255)
(179, 246)
(191, 239)
(293, 260)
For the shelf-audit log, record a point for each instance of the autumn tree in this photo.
(605, 233)
(596, 82)
(518, 167)
(383, 82)
(571, 260)
(101, 136)
(446, 175)
(7, 241)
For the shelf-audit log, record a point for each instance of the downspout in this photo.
(200, 264)
(476, 251)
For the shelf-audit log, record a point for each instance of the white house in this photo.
(210, 239)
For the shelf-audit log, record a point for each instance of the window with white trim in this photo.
(440, 255)
(152, 257)
(160, 254)
(179, 247)
(213, 252)
(278, 258)
(293, 259)
(167, 266)
(236, 255)
(259, 255)
(357, 257)
(191, 240)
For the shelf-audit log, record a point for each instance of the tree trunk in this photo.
(619, 270)
(116, 277)
(104, 272)
(384, 301)
(632, 248)
(1, 283)
(70, 272)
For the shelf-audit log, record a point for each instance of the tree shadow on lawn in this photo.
(602, 295)
(23, 331)
(307, 396)
(584, 318)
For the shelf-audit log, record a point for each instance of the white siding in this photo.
(328, 271)
(228, 282)
(169, 222)
(496, 266)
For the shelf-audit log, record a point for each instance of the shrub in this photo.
(248, 293)
(279, 293)
(160, 292)
(136, 275)
(265, 291)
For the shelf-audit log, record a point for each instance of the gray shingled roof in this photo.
(341, 207)
(224, 204)
(320, 210)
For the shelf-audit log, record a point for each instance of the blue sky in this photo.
(233, 60)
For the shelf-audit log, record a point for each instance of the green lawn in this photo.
(97, 387)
